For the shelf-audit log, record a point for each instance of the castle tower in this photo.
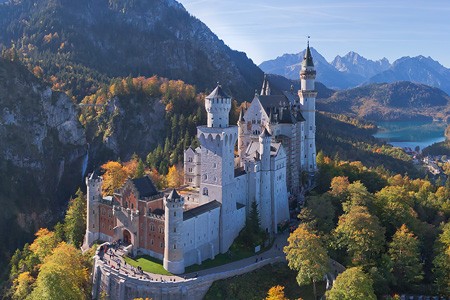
(94, 188)
(173, 241)
(265, 90)
(242, 138)
(265, 205)
(307, 95)
(217, 141)
(218, 105)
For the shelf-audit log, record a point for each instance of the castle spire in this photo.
(307, 59)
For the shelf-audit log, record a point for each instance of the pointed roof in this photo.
(265, 133)
(307, 59)
(218, 93)
(173, 195)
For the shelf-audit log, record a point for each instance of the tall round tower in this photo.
(307, 95)
(242, 141)
(94, 190)
(218, 105)
(265, 205)
(173, 240)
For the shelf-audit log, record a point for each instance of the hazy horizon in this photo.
(265, 30)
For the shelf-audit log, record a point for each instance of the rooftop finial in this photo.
(308, 41)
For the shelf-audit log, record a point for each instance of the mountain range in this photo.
(353, 70)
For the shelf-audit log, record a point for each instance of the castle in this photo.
(275, 147)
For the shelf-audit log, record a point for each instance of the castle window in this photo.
(132, 206)
(253, 121)
(174, 229)
(110, 227)
(161, 230)
(93, 212)
(310, 145)
(152, 227)
(190, 170)
(205, 191)
(93, 225)
(190, 180)
(160, 245)
(174, 246)
(174, 213)
(205, 177)
(151, 242)
(214, 165)
(189, 159)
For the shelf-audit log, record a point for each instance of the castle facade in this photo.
(263, 159)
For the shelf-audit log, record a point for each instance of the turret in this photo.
(94, 189)
(242, 144)
(307, 96)
(307, 72)
(173, 240)
(265, 90)
(218, 105)
(265, 139)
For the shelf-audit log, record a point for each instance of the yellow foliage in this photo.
(63, 275)
(113, 178)
(276, 293)
(44, 243)
(175, 177)
(23, 285)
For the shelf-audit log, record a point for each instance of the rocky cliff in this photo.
(41, 154)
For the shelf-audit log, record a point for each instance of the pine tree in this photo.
(75, 220)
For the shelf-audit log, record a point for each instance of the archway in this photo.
(126, 237)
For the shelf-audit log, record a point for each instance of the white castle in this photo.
(275, 148)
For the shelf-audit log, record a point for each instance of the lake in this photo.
(411, 134)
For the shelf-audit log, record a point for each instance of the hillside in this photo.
(80, 44)
(41, 155)
(389, 102)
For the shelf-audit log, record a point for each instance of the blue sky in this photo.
(265, 29)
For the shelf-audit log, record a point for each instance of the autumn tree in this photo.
(115, 175)
(357, 195)
(361, 234)
(63, 275)
(405, 256)
(23, 285)
(44, 243)
(276, 293)
(175, 177)
(441, 262)
(352, 284)
(306, 254)
(75, 220)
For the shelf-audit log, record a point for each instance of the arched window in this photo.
(205, 191)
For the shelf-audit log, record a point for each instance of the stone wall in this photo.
(120, 286)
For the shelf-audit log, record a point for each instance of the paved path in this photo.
(117, 262)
